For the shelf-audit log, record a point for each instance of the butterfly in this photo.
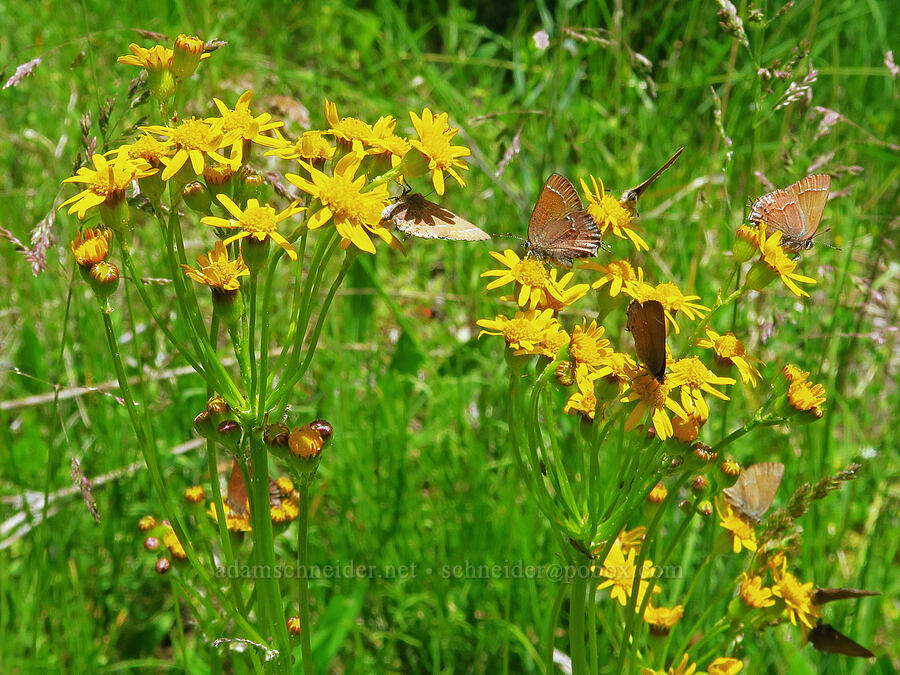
(755, 489)
(826, 638)
(415, 215)
(821, 596)
(236, 494)
(629, 198)
(794, 211)
(560, 230)
(647, 325)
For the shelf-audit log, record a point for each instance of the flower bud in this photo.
(161, 82)
(163, 565)
(277, 434)
(146, 523)
(565, 373)
(151, 543)
(746, 243)
(203, 424)
(197, 196)
(657, 494)
(293, 626)
(704, 508)
(759, 276)
(194, 494)
(700, 485)
(187, 54)
(255, 253)
(229, 433)
(104, 279)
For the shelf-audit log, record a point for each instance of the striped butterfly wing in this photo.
(647, 325)
(795, 211)
(755, 489)
(560, 229)
(415, 215)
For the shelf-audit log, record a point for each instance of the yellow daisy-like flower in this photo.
(284, 512)
(620, 572)
(156, 57)
(610, 215)
(106, 182)
(652, 397)
(350, 129)
(146, 147)
(234, 521)
(311, 146)
(632, 539)
(618, 274)
(684, 667)
(694, 378)
(555, 338)
(588, 347)
(194, 494)
(658, 494)
(804, 395)
(584, 400)
(725, 665)
(662, 619)
(530, 274)
(193, 140)
(356, 213)
(255, 221)
(394, 147)
(525, 331)
(240, 127)
(743, 536)
(674, 300)
(558, 296)
(753, 593)
(793, 373)
(91, 246)
(797, 598)
(622, 369)
(729, 351)
(170, 539)
(780, 263)
(687, 430)
(217, 271)
(435, 136)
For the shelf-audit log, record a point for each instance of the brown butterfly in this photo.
(794, 211)
(826, 638)
(629, 198)
(647, 325)
(822, 596)
(415, 215)
(236, 495)
(755, 489)
(560, 230)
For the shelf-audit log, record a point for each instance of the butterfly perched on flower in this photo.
(795, 211)
(560, 230)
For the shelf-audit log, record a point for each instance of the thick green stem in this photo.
(303, 577)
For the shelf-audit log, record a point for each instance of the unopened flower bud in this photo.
(277, 434)
(104, 279)
(146, 523)
(760, 276)
(293, 626)
(187, 54)
(163, 565)
(197, 196)
(194, 494)
(700, 484)
(151, 543)
(705, 508)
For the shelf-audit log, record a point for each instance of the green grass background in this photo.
(420, 471)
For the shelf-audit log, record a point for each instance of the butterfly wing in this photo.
(795, 211)
(647, 324)
(826, 638)
(630, 197)
(415, 215)
(236, 496)
(560, 229)
(755, 489)
(824, 595)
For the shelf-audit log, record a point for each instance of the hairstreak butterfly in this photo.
(822, 596)
(755, 489)
(415, 215)
(825, 638)
(560, 230)
(630, 197)
(795, 211)
(236, 494)
(647, 324)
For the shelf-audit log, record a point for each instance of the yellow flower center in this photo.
(584, 348)
(258, 220)
(727, 346)
(239, 119)
(608, 212)
(531, 272)
(520, 330)
(694, 374)
(350, 128)
(192, 134)
(343, 198)
(621, 269)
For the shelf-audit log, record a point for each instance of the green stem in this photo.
(303, 565)
(577, 597)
